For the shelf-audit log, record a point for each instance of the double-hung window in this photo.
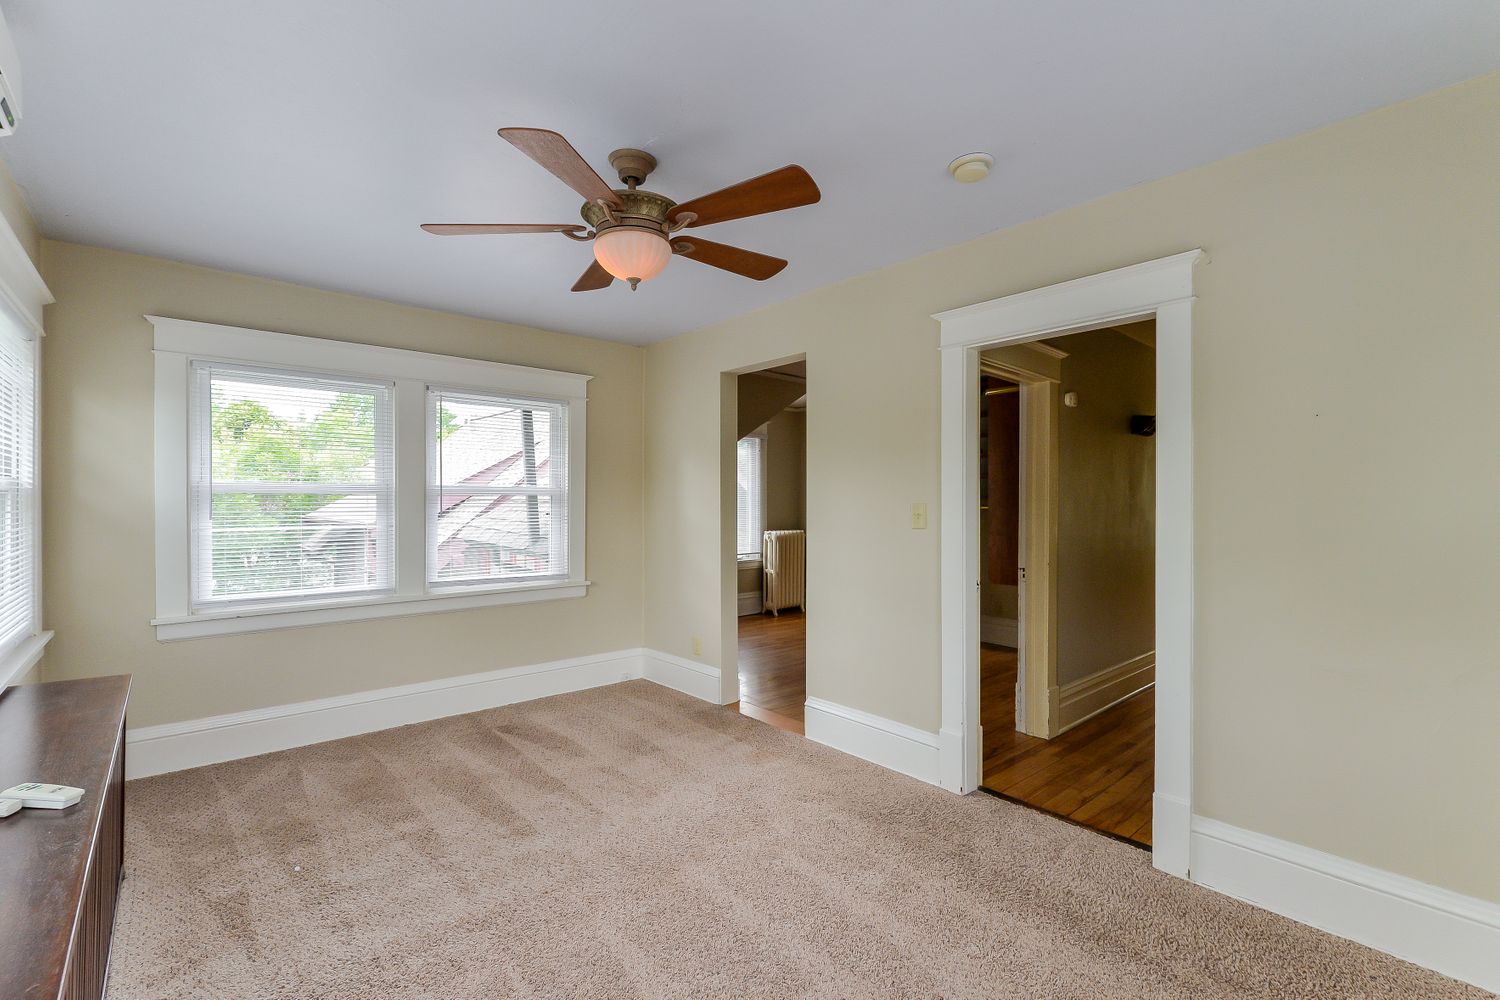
(304, 481)
(497, 494)
(18, 552)
(750, 498)
(293, 486)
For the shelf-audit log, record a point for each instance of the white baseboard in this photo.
(178, 745)
(688, 676)
(750, 603)
(1456, 935)
(1079, 701)
(998, 631)
(881, 741)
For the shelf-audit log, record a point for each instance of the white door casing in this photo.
(1161, 288)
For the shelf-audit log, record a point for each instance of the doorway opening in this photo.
(1067, 586)
(771, 544)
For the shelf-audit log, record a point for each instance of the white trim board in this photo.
(244, 345)
(196, 742)
(17, 663)
(890, 744)
(1079, 701)
(21, 284)
(1456, 935)
(240, 620)
(688, 676)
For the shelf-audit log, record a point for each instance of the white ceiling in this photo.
(307, 140)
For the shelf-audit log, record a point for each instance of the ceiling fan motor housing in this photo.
(638, 209)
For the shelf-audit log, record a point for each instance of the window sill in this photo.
(15, 664)
(238, 620)
(749, 562)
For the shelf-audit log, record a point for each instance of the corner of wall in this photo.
(18, 215)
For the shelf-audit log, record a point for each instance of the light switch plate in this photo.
(918, 516)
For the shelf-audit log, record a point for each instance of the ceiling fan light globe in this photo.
(632, 255)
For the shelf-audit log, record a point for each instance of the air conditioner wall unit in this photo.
(10, 81)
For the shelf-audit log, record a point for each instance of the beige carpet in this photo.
(633, 842)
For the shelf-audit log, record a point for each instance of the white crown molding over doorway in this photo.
(1160, 288)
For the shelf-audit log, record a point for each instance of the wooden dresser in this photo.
(60, 869)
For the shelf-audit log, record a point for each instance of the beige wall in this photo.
(996, 600)
(1346, 474)
(747, 578)
(762, 397)
(786, 447)
(1106, 526)
(13, 209)
(98, 484)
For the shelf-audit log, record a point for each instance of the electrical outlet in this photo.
(697, 645)
(918, 516)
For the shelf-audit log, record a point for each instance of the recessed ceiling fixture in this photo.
(971, 167)
(632, 229)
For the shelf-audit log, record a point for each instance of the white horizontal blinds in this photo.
(292, 479)
(17, 483)
(497, 488)
(750, 492)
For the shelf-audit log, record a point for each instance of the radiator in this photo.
(784, 557)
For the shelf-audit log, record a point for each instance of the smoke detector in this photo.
(971, 167)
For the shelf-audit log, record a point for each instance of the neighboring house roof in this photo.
(488, 453)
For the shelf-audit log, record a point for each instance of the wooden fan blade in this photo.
(557, 155)
(789, 187)
(747, 262)
(497, 228)
(595, 277)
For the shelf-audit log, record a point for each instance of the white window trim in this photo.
(180, 342)
(23, 291)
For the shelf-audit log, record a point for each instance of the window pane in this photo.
(17, 484)
(290, 543)
(749, 518)
(492, 537)
(497, 489)
(292, 486)
(308, 432)
(494, 442)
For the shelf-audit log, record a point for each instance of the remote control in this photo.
(34, 795)
(8, 806)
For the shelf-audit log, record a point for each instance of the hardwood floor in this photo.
(1100, 774)
(773, 668)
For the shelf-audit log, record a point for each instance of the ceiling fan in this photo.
(634, 230)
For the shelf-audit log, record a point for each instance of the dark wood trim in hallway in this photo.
(773, 669)
(1100, 773)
